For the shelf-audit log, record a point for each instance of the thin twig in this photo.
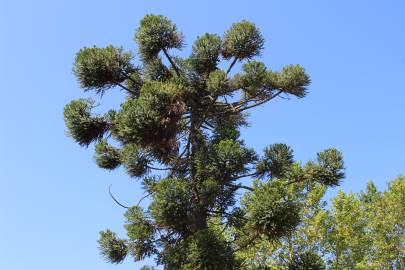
(144, 197)
(115, 200)
(159, 169)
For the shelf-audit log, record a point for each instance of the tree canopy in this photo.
(178, 131)
(359, 231)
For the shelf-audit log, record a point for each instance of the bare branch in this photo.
(244, 175)
(261, 102)
(232, 64)
(237, 186)
(144, 197)
(126, 88)
(115, 200)
(159, 169)
(171, 62)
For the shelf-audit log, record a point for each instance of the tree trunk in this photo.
(199, 215)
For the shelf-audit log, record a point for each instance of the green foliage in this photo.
(140, 233)
(135, 161)
(106, 156)
(271, 211)
(171, 203)
(357, 231)
(134, 82)
(293, 80)
(102, 68)
(329, 168)
(82, 126)
(205, 54)
(208, 250)
(113, 249)
(147, 267)
(242, 41)
(152, 120)
(307, 261)
(230, 159)
(253, 78)
(277, 160)
(218, 83)
(157, 33)
(178, 128)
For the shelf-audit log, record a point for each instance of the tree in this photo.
(386, 214)
(300, 249)
(178, 131)
(358, 231)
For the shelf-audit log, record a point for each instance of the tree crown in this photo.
(178, 131)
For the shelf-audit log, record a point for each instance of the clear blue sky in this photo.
(53, 198)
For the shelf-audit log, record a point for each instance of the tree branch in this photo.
(171, 62)
(125, 88)
(144, 197)
(232, 64)
(159, 169)
(294, 181)
(245, 175)
(237, 186)
(186, 147)
(261, 102)
(115, 200)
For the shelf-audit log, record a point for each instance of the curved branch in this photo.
(261, 102)
(115, 200)
(144, 197)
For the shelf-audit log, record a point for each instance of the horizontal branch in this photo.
(237, 186)
(244, 175)
(261, 102)
(159, 169)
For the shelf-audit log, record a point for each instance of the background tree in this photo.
(178, 131)
(358, 231)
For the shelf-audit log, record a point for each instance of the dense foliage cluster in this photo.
(178, 131)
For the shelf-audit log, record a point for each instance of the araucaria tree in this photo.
(178, 132)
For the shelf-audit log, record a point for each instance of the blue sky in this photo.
(53, 198)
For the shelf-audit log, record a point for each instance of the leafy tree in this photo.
(386, 213)
(359, 231)
(367, 230)
(346, 236)
(178, 131)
